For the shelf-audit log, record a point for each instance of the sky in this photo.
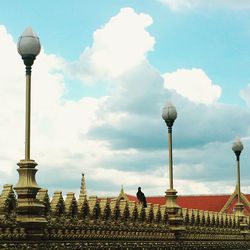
(105, 71)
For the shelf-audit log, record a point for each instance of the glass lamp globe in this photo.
(237, 145)
(28, 43)
(169, 113)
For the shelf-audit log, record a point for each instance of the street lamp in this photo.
(28, 47)
(30, 211)
(169, 115)
(237, 147)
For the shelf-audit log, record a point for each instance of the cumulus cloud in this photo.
(140, 126)
(57, 125)
(245, 94)
(177, 5)
(202, 136)
(193, 84)
(118, 46)
(127, 138)
(11, 92)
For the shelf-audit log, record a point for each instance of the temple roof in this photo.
(203, 202)
(215, 203)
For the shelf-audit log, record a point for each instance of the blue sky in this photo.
(101, 80)
(214, 39)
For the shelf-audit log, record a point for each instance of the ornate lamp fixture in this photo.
(169, 115)
(30, 211)
(237, 147)
(28, 47)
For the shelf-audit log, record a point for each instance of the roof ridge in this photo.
(185, 195)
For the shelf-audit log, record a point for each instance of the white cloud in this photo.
(200, 131)
(156, 182)
(245, 94)
(11, 92)
(177, 5)
(58, 126)
(193, 84)
(117, 47)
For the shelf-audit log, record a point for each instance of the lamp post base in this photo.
(174, 211)
(239, 207)
(30, 211)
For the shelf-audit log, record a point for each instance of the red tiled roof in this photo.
(203, 202)
(132, 198)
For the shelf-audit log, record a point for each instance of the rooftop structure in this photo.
(221, 203)
(122, 222)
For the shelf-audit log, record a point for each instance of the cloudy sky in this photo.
(99, 84)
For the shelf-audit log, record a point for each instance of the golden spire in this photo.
(83, 191)
(122, 195)
(122, 190)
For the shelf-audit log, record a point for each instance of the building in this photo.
(122, 222)
(215, 203)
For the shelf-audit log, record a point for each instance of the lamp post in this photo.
(30, 211)
(169, 115)
(237, 147)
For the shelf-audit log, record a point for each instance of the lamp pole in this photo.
(30, 211)
(169, 115)
(28, 61)
(237, 147)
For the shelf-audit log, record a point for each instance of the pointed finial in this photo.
(83, 190)
(122, 190)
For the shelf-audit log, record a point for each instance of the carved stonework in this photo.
(57, 205)
(7, 202)
(83, 209)
(43, 196)
(71, 205)
(118, 223)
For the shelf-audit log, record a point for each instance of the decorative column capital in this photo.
(27, 163)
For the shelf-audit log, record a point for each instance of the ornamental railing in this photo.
(93, 220)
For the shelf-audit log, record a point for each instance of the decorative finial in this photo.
(83, 190)
(122, 190)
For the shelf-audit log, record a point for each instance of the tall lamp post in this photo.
(169, 115)
(30, 211)
(237, 147)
